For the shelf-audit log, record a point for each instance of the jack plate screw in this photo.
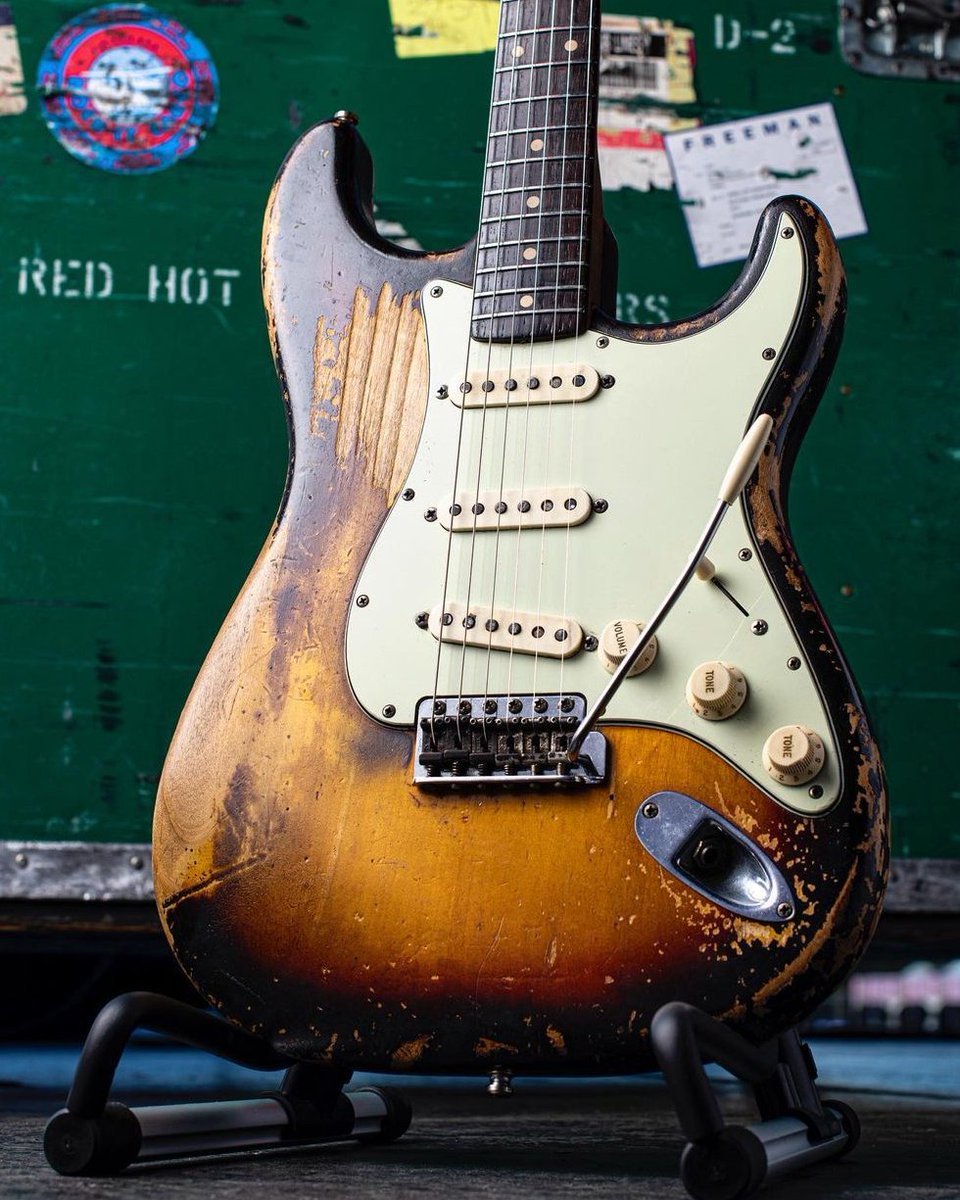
(650, 809)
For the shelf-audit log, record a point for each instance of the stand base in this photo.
(95, 1136)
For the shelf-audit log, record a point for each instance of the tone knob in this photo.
(793, 754)
(617, 639)
(716, 690)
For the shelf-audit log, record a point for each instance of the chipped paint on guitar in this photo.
(316, 895)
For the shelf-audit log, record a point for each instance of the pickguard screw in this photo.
(422, 619)
(436, 290)
(745, 555)
(590, 642)
(650, 809)
(408, 493)
(430, 514)
(794, 663)
(786, 233)
(769, 353)
(815, 792)
(607, 381)
(21, 860)
(759, 628)
(443, 392)
(603, 343)
(600, 506)
(784, 910)
(389, 710)
(363, 601)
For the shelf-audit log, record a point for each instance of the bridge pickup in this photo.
(506, 629)
(527, 508)
(505, 739)
(523, 384)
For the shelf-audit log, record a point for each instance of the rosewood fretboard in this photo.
(534, 248)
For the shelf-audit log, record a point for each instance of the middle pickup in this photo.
(522, 508)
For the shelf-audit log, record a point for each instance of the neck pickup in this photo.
(533, 276)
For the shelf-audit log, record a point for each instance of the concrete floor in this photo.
(619, 1139)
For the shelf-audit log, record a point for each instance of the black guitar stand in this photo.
(96, 1136)
(731, 1162)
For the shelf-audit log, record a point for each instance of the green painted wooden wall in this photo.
(142, 442)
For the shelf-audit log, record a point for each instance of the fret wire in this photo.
(533, 216)
(516, 162)
(542, 100)
(494, 192)
(560, 237)
(509, 68)
(541, 128)
(559, 289)
(554, 29)
(528, 312)
(535, 265)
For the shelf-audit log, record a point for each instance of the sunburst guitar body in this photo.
(371, 844)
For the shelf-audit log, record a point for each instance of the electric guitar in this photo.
(395, 830)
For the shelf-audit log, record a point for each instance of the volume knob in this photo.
(617, 639)
(793, 754)
(716, 690)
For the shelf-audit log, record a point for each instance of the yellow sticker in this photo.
(434, 27)
(12, 99)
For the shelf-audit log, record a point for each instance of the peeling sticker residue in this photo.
(424, 28)
(12, 99)
(127, 89)
(727, 173)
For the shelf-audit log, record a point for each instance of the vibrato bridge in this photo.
(505, 739)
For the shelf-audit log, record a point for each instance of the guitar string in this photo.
(498, 76)
(589, 180)
(499, 67)
(568, 409)
(554, 338)
(520, 539)
(462, 425)
(524, 162)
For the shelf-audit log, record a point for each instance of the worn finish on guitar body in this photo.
(314, 894)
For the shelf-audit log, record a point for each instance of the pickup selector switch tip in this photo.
(716, 690)
(793, 754)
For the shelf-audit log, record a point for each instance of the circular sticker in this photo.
(127, 89)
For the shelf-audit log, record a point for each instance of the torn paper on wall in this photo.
(726, 174)
(646, 57)
(632, 153)
(434, 27)
(12, 99)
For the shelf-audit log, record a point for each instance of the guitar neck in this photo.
(540, 192)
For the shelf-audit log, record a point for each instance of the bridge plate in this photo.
(505, 739)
